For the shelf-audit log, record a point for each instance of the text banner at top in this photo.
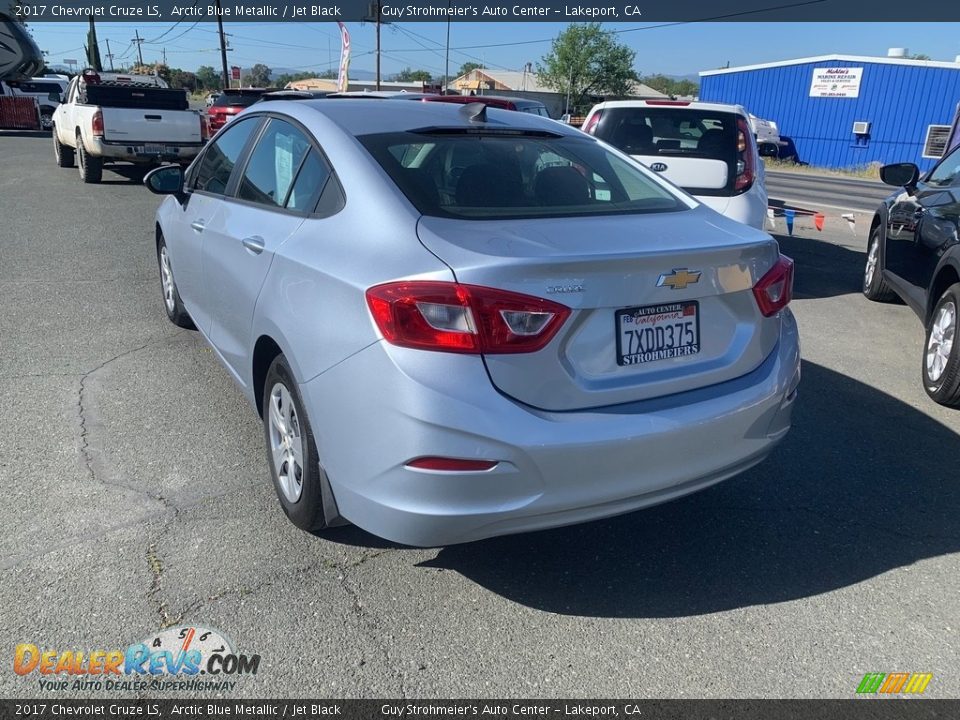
(642, 12)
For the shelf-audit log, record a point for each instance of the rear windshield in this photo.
(496, 176)
(235, 99)
(672, 132)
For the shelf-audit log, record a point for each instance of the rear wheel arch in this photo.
(945, 277)
(265, 351)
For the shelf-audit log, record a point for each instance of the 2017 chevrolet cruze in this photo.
(464, 322)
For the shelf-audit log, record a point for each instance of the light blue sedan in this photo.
(460, 322)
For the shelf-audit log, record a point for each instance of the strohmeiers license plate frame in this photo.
(646, 315)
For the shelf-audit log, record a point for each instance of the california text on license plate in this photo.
(657, 332)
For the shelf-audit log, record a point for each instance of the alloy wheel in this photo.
(286, 442)
(872, 258)
(940, 343)
(166, 278)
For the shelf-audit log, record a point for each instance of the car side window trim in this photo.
(231, 192)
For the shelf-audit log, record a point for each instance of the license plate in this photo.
(154, 149)
(657, 332)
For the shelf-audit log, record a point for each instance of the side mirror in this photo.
(900, 174)
(165, 180)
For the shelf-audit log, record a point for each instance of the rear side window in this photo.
(308, 187)
(486, 175)
(220, 157)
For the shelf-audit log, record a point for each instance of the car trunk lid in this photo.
(621, 276)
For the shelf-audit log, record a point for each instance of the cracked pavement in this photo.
(136, 497)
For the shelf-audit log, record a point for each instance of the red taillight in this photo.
(746, 170)
(775, 289)
(452, 317)
(667, 102)
(204, 128)
(445, 464)
(96, 124)
(590, 126)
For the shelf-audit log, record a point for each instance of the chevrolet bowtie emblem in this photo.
(679, 278)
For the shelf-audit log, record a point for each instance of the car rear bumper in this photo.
(393, 405)
(749, 208)
(136, 151)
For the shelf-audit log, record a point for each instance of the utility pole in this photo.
(109, 55)
(446, 60)
(378, 44)
(223, 48)
(138, 40)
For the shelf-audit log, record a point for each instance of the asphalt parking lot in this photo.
(136, 496)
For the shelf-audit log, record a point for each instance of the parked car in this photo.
(457, 324)
(211, 98)
(293, 95)
(534, 107)
(914, 253)
(708, 149)
(115, 121)
(48, 93)
(231, 103)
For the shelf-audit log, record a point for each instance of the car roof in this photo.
(381, 94)
(679, 105)
(355, 117)
(486, 100)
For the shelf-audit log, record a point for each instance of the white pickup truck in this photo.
(128, 119)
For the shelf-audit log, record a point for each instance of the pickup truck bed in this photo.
(111, 121)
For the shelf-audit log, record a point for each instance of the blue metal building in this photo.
(844, 111)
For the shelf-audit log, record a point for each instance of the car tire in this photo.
(172, 303)
(874, 286)
(46, 119)
(62, 153)
(91, 168)
(298, 478)
(940, 368)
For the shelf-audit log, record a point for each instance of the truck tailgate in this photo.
(166, 127)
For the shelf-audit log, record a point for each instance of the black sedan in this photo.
(914, 253)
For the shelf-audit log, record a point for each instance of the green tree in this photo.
(259, 76)
(670, 86)
(182, 79)
(586, 61)
(660, 83)
(283, 80)
(92, 49)
(330, 74)
(468, 67)
(208, 78)
(409, 75)
(686, 88)
(919, 56)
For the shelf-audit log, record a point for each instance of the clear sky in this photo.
(676, 50)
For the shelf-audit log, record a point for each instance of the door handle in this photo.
(254, 244)
(198, 225)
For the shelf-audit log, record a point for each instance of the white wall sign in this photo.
(841, 82)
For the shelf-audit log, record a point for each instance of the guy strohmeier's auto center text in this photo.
(305, 9)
